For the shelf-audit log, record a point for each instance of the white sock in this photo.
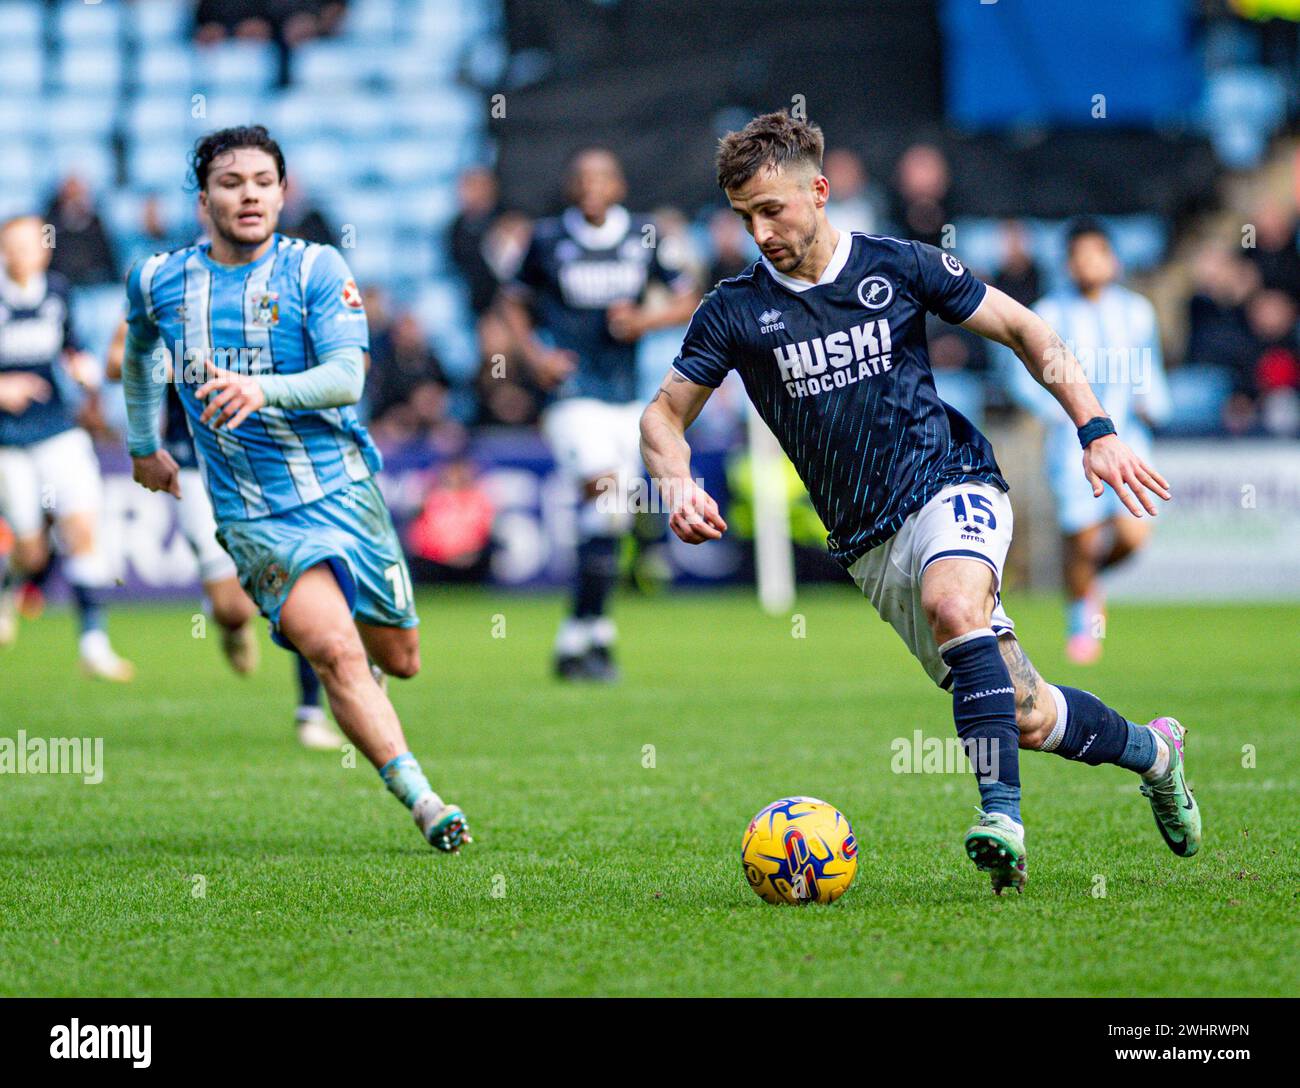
(94, 644)
(574, 637)
(1160, 767)
(1054, 738)
(603, 631)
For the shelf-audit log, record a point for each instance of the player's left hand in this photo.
(235, 397)
(1108, 460)
(626, 321)
(157, 472)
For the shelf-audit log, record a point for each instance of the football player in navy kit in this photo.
(576, 306)
(47, 463)
(827, 332)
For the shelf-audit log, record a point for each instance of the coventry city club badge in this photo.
(267, 311)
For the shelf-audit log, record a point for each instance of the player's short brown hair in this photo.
(771, 140)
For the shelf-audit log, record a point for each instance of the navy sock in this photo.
(984, 708)
(1095, 734)
(90, 607)
(308, 682)
(596, 575)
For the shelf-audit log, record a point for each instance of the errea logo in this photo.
(770, 321)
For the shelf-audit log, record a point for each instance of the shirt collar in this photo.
(829, 274)
(23, 297)
(605, 236)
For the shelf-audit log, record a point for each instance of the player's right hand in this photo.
(550, 366)
(695, 516)
(158, 472)
(17, 391)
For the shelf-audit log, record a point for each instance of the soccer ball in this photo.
(799, 850)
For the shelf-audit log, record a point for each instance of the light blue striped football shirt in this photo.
(1117, 341)
(280, 314)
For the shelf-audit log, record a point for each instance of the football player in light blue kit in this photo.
(1113, 332)
(268, 336)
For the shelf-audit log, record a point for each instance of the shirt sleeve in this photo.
(71, 342)
(1151, 394)
(705, 354)
(668, 265)
(140, 324)
(142, 387)
(945, 286)
(530, 276)
(336, 315)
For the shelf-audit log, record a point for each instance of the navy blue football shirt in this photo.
(572, 273)
(35, 331)
(840, 372)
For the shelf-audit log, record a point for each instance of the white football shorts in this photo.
(592, 438)
(970, 520)
(58, 476)
(199, 527)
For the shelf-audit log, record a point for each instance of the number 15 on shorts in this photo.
(981, 510)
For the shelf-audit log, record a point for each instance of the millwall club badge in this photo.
(875, 292)
(266, 312)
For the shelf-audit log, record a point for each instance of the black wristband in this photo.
(1095, 428)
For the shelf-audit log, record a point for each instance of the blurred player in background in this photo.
(827, 331)
(269, 338)
(231, 606)
(1113, 332)
(47, 463)
(583, 281)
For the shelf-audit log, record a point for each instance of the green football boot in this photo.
(997, 846)
(1178, 816)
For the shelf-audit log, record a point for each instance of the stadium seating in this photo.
(109, 91)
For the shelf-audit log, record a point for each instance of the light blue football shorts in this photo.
(1076, 509)
(351, 530)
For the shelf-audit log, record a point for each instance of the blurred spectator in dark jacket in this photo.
(921, 194)
(408, 390)
(1275, 253)
(1018, 275)
(300, 218)
(1218, 334)
(855, 203)
(82, 250)
(507, 395)
(476, 191)
(450, 540)
(732, 249)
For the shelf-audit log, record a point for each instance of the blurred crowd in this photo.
(285, 24)
(1241, 320)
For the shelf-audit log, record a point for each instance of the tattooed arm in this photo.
(1106, 459)
(667, 455)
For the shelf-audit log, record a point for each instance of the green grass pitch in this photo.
(594, 873)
